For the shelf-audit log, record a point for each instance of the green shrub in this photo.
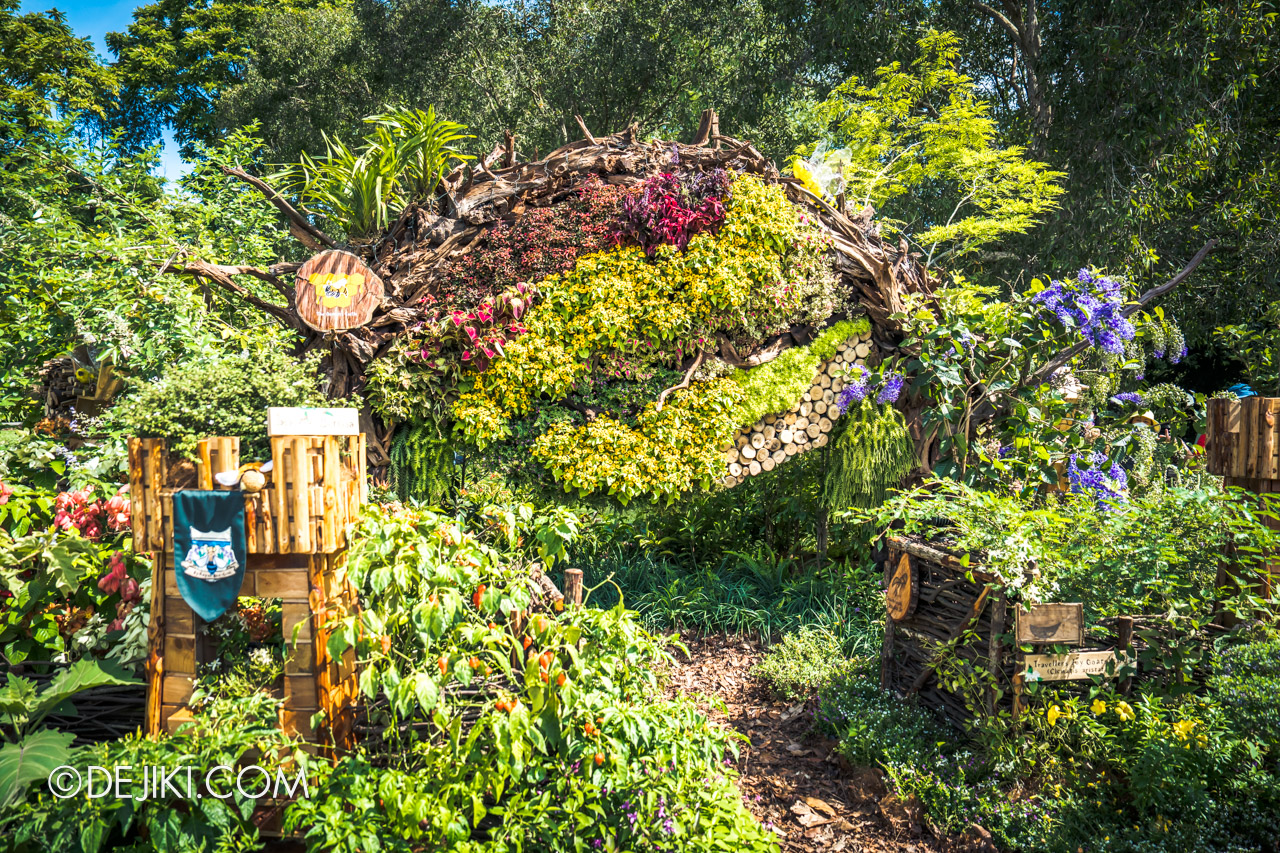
(804, 662)
(550, 741)
(1247, 684)
(224, 394)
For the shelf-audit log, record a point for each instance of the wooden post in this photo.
(1243, 448)
(995, 650)
(515, 625)
(1124, 640)
(573, 586)
(1017, 688)
(886, 649)
(155, 643)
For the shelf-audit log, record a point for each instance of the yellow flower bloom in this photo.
(1124, 712)
(1098, 707)
(1053, 714)
(1182, 728)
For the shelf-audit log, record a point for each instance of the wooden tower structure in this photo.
(296, 538)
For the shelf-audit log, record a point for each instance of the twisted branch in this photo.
(299, 226)
(684, 383)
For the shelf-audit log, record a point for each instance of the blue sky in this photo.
(94, 21)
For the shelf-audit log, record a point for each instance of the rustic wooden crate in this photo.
(963, 607)
(296, 531)
(316, 487)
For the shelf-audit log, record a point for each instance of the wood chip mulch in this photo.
(791, 778)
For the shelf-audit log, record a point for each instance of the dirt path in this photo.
(791, 779)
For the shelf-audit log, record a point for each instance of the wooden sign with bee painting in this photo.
(336, 291)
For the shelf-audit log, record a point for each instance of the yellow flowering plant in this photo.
(764, 267)
(668, 450)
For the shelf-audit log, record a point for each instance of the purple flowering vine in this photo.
(1107, 487)
(891, 389)
(1093, 304)
(855, 392)
(1129, 397)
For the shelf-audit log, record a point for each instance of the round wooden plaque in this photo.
(904, 589)
(335, 291)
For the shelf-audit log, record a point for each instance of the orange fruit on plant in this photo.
(560, 680)
(527, 642)
(475, 598)
(443, 663)
(599, 758)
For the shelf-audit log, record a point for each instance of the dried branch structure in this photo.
(415, 254)
(420, 245)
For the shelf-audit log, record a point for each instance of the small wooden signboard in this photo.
(283, 420)
(903, 590)
(1069, 667)
(336, 291)
(1052, 623)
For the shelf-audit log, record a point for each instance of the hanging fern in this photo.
(872, 453)
(420, 461)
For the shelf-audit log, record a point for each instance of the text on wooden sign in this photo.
(1071, 666)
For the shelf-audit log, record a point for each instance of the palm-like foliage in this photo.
(399, 162)
(424, 149)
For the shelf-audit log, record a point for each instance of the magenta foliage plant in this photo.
(478, 336)
(670, 208)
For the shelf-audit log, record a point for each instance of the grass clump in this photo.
(804, 662)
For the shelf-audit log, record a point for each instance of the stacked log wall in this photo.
(807, 425)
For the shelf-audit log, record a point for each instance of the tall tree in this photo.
(177, 58)
(46, 72)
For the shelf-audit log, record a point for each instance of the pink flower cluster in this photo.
(5, 493)
(118, 580)
(79, 511)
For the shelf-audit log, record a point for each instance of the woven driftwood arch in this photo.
(418, 248)
(416, 251)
